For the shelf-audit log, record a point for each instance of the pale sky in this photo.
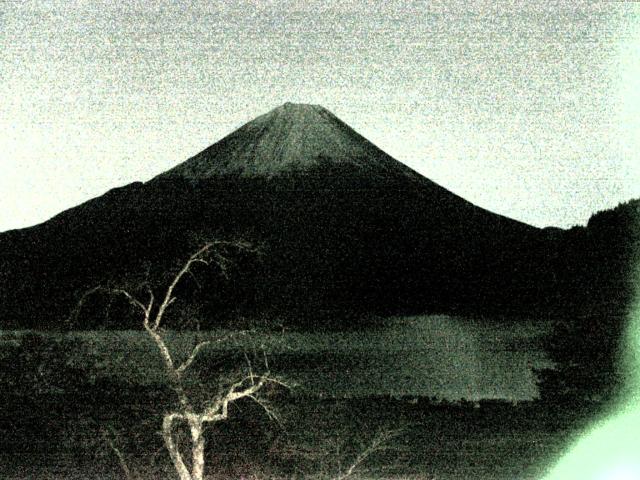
(529, 109)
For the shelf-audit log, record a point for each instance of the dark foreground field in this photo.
(76, 436)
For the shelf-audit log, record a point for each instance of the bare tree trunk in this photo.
(197, 449)
(174, 452)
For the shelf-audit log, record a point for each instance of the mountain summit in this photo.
(290, 138)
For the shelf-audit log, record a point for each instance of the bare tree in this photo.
(109, 435)
(334, 458)
(215, 408)
(379, 443)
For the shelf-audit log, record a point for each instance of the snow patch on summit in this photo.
(292, 137)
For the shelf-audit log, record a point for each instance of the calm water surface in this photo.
(437, 356)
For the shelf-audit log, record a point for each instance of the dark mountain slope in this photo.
(344, 230)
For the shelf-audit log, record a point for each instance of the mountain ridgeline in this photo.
(343, 232)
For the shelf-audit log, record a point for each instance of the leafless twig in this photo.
(379, 443)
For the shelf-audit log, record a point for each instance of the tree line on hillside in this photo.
(598, 268)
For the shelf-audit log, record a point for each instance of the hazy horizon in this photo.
(526, 110)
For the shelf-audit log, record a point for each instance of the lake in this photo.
(436, 356)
